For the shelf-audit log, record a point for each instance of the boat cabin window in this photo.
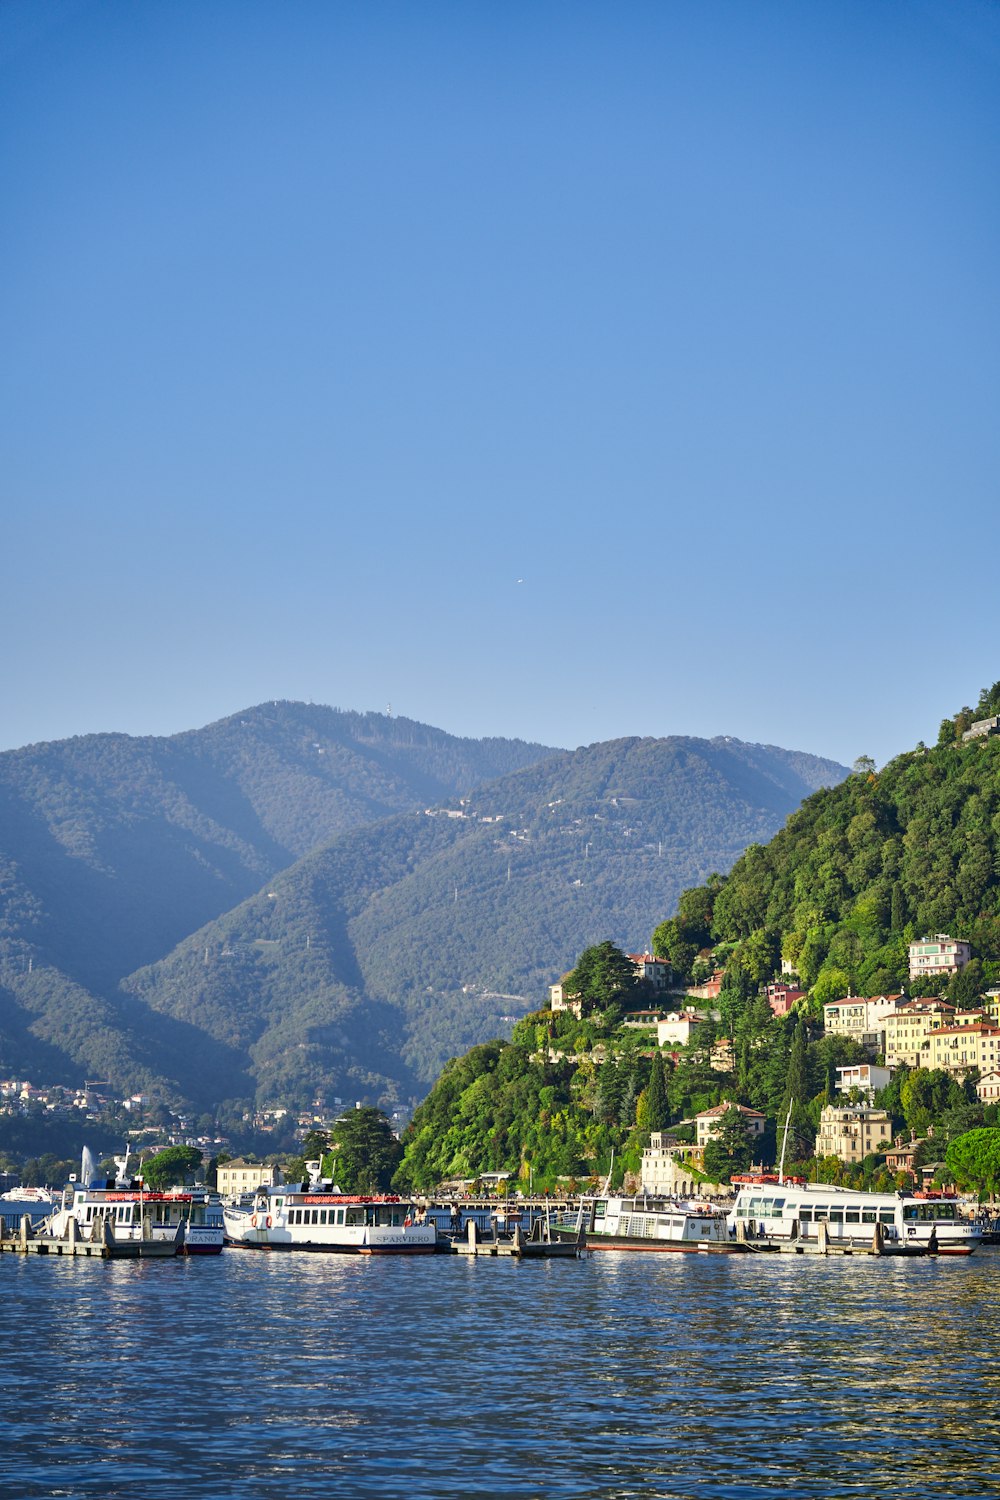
(340, 1216)
(868, 1216)
(852, 1216)
(886, 1216)
(927, 1211)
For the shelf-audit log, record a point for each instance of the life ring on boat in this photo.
(253, 1221)
(267, 1222)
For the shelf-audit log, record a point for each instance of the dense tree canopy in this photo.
(172, 1167)
(365, 1152)
(974, 1158)
(604, 978)
(730, 1149)
(864, 868)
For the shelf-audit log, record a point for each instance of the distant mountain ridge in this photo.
(128, 844)
(269, 906)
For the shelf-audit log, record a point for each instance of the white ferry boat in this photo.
(323, 1218)
(774, 1212)
(181, 1215)
(653, 1224)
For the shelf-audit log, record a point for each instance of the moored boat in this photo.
(774, 1213)
(178, 1217)
(324, 1219)
(653, 1224)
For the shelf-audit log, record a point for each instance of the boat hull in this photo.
(281, 1245)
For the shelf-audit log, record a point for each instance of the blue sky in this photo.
(556, 370)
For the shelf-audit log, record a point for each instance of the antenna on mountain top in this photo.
(388, 710)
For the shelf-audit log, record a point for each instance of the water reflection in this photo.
(726, 1378)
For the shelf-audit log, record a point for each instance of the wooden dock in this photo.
(536, 1246)
(105, 1246)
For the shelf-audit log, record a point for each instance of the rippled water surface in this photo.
(258, 1375)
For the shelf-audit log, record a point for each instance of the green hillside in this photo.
(865, 867)
(369, 963)
(860, 870)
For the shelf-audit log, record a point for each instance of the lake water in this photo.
(620, 1375)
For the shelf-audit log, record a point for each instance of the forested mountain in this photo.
(113, 849)
(865, 867)
(860, 870)
(368, 963)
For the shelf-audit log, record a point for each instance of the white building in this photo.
(864, 1020)
(656, 971)
(939, 954)
(678, 1027)
(667, 1170)
(866, 1077)
(561, 999)
(988, 1087)
(708, 1122)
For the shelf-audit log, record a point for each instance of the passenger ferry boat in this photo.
(322, 1218)
(774, 1211)
(180, 1215)
(656, 1224)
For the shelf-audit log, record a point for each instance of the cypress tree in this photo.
(656, 1098)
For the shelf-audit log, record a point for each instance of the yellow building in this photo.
(908, 1028)
(960, 1048)
(561, 999)
(236, 1177)
(852, 1131)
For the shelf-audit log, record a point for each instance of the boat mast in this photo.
(784, 1143)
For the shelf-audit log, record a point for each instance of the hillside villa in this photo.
(939, 954)
(708, 1122)
(782, 998)
(678, 1027)
(852, 1131)
(867, 1078)
(861, 1019)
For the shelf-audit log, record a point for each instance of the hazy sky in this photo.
(560, 370)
